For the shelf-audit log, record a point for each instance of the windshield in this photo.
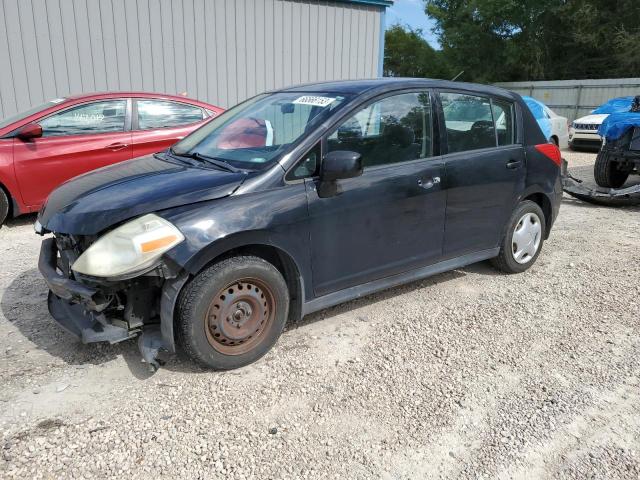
(19, 116)
(258, 131)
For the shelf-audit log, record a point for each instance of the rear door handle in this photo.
(429, 183)
(114, 147)
(513, 164)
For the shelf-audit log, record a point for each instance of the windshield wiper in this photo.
(207, 159)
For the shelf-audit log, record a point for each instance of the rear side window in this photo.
(161, 114)
(503, 116)
(392, 130)
(469, 122)
(92, 118)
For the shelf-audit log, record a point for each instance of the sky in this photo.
(411, 12)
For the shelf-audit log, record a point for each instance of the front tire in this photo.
(4, 206)
(232, 313)
(607, 173)
(523, 239)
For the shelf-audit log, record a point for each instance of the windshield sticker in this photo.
(314, 100)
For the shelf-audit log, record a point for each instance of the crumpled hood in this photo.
(97, 200)
(595, 119)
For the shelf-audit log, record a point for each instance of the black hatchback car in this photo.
(294, 201)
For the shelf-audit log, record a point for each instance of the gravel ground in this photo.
(469, 374)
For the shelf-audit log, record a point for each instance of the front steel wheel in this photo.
(232, 313)
(239, 315)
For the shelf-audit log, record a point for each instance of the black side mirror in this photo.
(340, 164)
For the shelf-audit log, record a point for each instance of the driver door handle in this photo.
(429, 183)
(114, 147)
(513, 164)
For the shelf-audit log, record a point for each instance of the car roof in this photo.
(138, 94)
(72, 100)
(357, 87)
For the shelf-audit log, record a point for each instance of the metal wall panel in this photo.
(220, 51)
(576, 98)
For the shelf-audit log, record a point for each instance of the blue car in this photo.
(620, 153)
(553, 126)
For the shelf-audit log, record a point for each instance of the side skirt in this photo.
(365, 289)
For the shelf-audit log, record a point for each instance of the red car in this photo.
(51, 143)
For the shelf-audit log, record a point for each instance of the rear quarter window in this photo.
(162, 114)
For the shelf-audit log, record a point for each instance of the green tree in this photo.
(407, 54)
(507, 40)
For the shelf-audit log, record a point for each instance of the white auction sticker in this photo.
(314, 100)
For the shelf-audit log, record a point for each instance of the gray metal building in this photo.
(220, 51)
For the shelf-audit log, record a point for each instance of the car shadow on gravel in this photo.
(21, 221)
(382, 296)
(24, 304)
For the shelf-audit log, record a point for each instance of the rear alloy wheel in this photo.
(523, 239)
(233, 312)
(4, 206)
(607, 172)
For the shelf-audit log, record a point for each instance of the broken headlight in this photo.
(132, 247)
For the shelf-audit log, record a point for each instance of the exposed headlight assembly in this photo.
(130, 248)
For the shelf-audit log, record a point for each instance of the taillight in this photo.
(551, 151)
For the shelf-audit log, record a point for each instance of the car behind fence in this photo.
(575, 98)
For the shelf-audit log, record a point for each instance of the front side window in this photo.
(307, 166)
(260, 130)
(161, 114)
(469, 122)
(394, 129)
(27, 113)
(92, 118)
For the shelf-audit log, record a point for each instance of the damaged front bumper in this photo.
(599, 195)
(113, 311)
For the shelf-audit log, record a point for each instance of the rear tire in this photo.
(232, 313)
(4, 206)
(523, 240)
(607, 173)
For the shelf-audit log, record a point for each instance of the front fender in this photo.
(276, 218)
(8, 180)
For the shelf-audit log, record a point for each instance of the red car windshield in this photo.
(19, 116)
(258, 131)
